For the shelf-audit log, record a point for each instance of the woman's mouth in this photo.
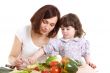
(44, 31)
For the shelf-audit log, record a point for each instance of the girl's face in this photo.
(47, 25)
(68, 32)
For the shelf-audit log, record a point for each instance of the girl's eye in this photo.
(68, 29)
(62, 28)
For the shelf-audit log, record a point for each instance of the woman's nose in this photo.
(47, 27)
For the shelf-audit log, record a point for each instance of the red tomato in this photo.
(55, 69)
(54, 63)
(45, 71)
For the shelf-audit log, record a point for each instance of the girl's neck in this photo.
(68, 38)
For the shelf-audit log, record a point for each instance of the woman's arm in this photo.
(51, 49)
(15, 52)
(32, 59)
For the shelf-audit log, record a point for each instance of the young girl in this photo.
(72, 44)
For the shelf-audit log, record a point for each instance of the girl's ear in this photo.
(76, 31)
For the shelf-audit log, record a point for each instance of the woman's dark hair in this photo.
(72, 20)
(45, 12)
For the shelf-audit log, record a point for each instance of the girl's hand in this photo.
(92, 65)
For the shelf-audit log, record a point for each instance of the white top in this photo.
(28, 47)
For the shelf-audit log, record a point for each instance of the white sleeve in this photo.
(20, 34)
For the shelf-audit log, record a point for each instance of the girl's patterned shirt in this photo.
(75, 48)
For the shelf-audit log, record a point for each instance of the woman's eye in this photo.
(52, 25)
(44, 21)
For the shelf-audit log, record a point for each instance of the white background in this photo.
(94, 15)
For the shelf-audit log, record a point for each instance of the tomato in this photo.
(55, 69)
(54, 63)
(45, 71)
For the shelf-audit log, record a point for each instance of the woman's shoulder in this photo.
(23, 32)
(24, 29)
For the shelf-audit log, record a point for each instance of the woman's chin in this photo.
(45, 34)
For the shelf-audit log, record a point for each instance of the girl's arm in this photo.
(86, 53)
(88, 61)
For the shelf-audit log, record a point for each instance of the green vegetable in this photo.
(41, 66)
(51, 58)
(19, 71)
(5, 70)
(69, 65)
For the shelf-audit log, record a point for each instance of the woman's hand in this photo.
(18, 62)
(32, 59)
(21, 63)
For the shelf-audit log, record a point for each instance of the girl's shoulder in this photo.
(84, 42)
(81, 40)
(54, 40)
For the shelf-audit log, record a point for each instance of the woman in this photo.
(44, 26)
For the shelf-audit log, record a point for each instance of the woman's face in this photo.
(47, 25)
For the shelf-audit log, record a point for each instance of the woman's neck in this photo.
(38, 35)
(39, 39)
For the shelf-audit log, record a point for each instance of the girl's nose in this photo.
(64, 30)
